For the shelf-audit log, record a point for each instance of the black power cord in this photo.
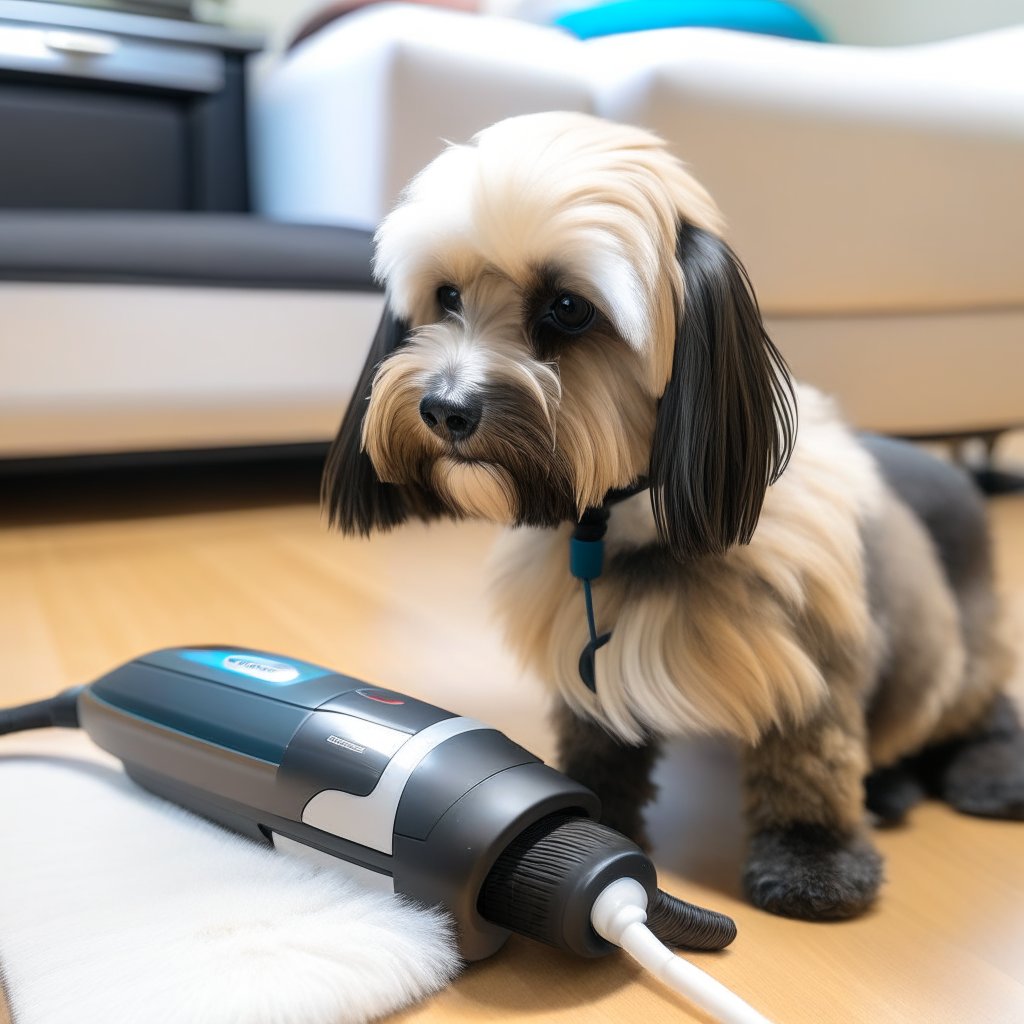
(61, 711)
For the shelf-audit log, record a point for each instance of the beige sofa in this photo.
(874, 194)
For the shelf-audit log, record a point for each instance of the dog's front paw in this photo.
(812, 872)
(987, 778)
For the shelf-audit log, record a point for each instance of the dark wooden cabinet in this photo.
(102, 110)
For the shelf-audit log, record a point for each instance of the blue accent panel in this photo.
(259, 672)
(235, 660)
(586, 558)
(764, 17)
(233, 718)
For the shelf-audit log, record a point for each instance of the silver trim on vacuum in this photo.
(370, 820)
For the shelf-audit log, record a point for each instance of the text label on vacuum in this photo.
(261, 668)
(338, 741)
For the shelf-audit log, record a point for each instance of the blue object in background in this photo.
(764, 17)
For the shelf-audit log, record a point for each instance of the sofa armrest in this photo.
(352, 113)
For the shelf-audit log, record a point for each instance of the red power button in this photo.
(380, 696)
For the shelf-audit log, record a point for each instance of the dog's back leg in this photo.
(891, 792)
(974, 751)
(982, 771)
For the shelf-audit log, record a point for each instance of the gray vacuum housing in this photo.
(403, 795)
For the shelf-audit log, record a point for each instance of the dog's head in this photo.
(562, 319)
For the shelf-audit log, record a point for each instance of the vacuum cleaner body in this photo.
(405, 796)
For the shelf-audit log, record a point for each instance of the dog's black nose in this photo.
(450, 419)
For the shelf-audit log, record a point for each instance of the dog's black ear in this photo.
(356, 499)
(727, 421)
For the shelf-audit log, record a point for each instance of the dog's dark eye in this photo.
(449, 298)
(572, 313)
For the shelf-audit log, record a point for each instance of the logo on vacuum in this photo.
(338, 741)
(261, 668)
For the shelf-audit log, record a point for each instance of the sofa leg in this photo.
(987, 475)
(996, 481)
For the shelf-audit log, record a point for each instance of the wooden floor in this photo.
(93, 575)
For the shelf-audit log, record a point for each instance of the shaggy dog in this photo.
(567, 337)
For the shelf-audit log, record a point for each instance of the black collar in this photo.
(593, 524)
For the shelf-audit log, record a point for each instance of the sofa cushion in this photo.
(213, 250)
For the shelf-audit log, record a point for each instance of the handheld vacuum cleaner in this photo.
(403, 795)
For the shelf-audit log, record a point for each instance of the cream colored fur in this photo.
(719, 650)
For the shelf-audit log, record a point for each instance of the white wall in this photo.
(889, 22)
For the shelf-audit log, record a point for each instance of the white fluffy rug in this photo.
(117, 908)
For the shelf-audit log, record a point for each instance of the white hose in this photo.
(619, 915)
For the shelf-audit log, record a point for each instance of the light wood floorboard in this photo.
(84, 587)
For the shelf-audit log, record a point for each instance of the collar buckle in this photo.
(586, 563)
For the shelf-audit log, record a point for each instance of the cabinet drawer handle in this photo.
(81, 44)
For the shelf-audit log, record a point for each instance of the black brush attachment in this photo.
(683, 925)
(544, 885)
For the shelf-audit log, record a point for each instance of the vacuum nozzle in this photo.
(546, 882)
